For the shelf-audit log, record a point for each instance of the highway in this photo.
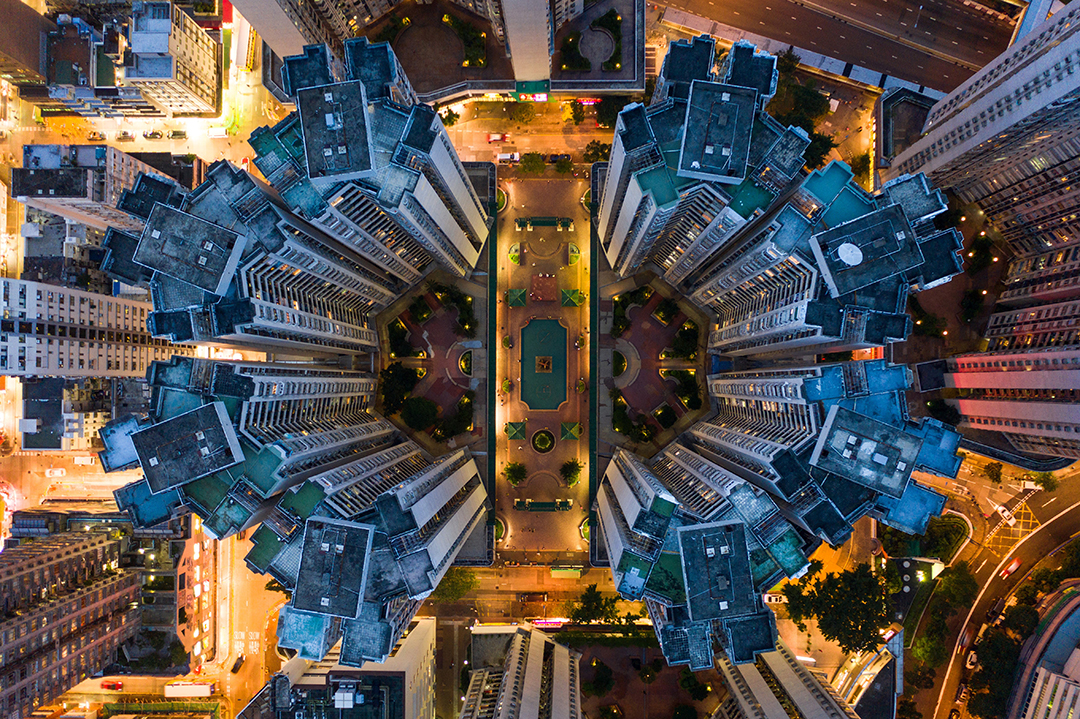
(937, 43)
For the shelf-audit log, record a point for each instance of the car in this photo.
(1006, 515)
(238, 663)
(961, 693)
(56, 472)
(496, 137)
(176, 134)
(153, 134)
(965, 640)
(124, 136)
(95, 136)
(112, 685)
(245, 164)
(555, 158)
(1013, 566)
(972, 660)
(995, 610)
(954, 714)
(774, 598)
(526, 597)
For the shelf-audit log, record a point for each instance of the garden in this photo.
(620, 306)
(473, 40)
(572, 59)
(611, 22)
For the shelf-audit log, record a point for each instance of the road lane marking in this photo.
(1052, 499)
(981, 565)
(982, 591)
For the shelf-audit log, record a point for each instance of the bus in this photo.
(182, 688)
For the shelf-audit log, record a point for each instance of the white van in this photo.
(508, 157)
(89, 461)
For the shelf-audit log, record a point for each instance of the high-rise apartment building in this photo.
(50, 331)
(518, 672)
(357, 522)
(261, 276)
(1030, 394)
(793, 457)
(706, 188)
(174, 62)
(83, 183)
(1042, 278)
(402, 686)
(65, 609)
(1006, 139)
(698, 163)
(777, 686)
(372, 167)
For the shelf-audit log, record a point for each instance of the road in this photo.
(939, 46)
(1058, 516)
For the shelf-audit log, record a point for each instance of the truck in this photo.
(496, 137)
(526, 597)
(505, 158)
(178, 688)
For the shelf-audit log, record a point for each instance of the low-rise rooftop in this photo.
(62, 182)
(716, 571)
(749, 67)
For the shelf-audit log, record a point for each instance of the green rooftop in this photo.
(267, 545)
(303, 501)
(749, 197)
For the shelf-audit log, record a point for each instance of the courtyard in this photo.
(542, 371)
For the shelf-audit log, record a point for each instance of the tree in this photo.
(1027, 594)
(597, 151)
(577, 112)
(819, 149)
(919, 675)
(905, 709)
(522, 112)
(787, 62)
(395, 384)
(684, 711)
(1046, 580)
(608, 109)
(592, 606)
(930, 651)
(688, 681)
(419, 413)
(570, 471)
(455, 584)
(602, 680)
(893, 581)
(449, 117)
(799, 606)
(1021, 619)
(274, 585)
(957, 585)
(515, 473)
(564, 166)
(941, 410)
(851, 608)
(532, 162)
(992, 471)
(1046, 480)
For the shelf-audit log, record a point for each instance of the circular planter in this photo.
(543, 441)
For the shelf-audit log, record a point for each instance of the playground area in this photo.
(543, 364)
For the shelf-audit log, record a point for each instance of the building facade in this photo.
(776, 685)
(83, 183)
(67, 609)
(402, 686)
(50, 331)
(518, 672)
(1006, 139)
(22, 40)
(174, 62)
(1029, 394)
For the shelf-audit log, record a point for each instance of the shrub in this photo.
(395, 384)
(684, 346)
(419, 310)
(666, 416)
(572, 59)
(618, 363)
(667, 310)
(612, 22)
(399, 340)
(471, 38)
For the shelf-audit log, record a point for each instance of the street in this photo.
(936, 43)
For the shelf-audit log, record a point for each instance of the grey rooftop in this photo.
(187, 447)
(61, 182)
(716, 571)
(337, 138)
(719, 123)
(190, 249)
(866, 451)
(866, 250)
(333, 567)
